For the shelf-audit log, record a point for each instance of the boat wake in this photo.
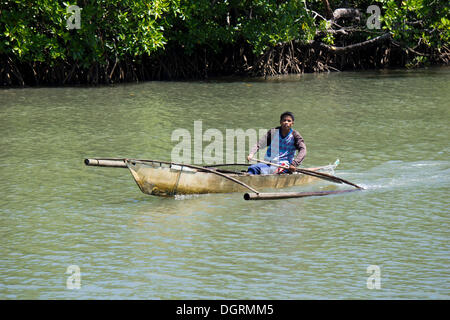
(186, 196)
(400, 174)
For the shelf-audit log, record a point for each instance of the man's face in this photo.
(286, 123)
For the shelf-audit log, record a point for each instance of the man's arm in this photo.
(301, 147)
(262, 143)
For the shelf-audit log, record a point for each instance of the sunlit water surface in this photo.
(390, 130)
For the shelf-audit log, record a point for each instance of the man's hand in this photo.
(250, 157)
(292, 168)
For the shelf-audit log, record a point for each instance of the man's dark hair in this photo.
(287, 113)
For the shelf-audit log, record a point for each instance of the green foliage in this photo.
(109, 28)
(260, 23)
(200, 23)
(276, 22)
(415, 22)
(417, 62)
(113, 30)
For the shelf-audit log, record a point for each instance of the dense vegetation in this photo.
(132, 40)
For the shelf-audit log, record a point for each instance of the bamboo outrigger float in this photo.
(162, 178)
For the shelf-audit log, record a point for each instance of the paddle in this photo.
(316, 174)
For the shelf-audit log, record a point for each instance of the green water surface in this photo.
(390, 130)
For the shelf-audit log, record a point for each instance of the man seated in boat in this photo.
(282, 142)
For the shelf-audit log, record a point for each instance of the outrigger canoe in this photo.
(167, 179)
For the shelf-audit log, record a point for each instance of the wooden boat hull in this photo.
(161, 179)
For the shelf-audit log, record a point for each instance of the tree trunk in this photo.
(329, 12)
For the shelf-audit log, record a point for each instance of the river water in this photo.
(390, 130)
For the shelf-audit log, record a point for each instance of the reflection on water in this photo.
(389, 129)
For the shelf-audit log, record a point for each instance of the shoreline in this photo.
(174, 64)
(232, 78)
